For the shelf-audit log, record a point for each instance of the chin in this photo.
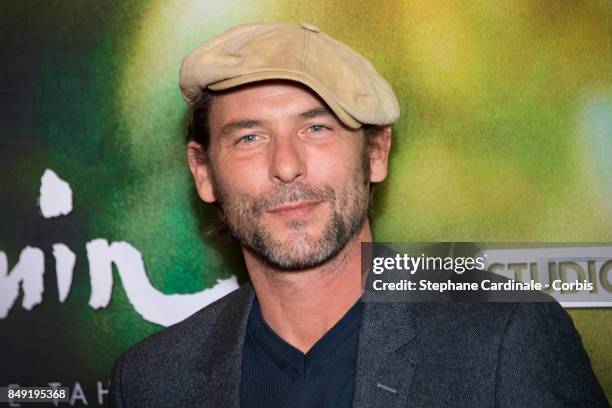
(295, 255)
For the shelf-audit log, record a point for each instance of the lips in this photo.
(296, 209)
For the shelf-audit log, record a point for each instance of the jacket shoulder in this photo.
(159, 369)
(517, 353)
(185, 336)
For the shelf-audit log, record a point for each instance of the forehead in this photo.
(266, 99)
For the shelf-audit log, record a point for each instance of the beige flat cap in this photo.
(344, 79)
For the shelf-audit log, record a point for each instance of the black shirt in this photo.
(276, 374)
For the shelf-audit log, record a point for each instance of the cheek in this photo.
(334, 166)
(242, 176)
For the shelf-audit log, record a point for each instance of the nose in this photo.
(287, 163)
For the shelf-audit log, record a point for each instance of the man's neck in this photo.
(301, 306)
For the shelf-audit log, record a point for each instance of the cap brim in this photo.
(333, 104)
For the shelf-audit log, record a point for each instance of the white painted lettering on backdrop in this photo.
(153, 305)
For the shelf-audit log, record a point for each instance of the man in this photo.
(289, 130)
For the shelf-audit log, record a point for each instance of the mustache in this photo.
(288, 193)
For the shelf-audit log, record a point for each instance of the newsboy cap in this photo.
(254, 52)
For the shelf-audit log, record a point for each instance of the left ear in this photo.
(379, 155)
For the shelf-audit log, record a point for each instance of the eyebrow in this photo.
(239, 125)
(230, 127)
(313, 113)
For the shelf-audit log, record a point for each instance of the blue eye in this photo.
(318, 128)
(246, 139)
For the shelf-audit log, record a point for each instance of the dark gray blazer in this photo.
(410, 355)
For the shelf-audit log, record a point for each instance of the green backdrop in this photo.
(505, 135)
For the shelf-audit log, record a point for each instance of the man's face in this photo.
(292, 181)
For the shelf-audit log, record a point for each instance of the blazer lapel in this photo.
(221, 360)
(385, 362)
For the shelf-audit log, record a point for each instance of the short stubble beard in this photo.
(349, 204)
